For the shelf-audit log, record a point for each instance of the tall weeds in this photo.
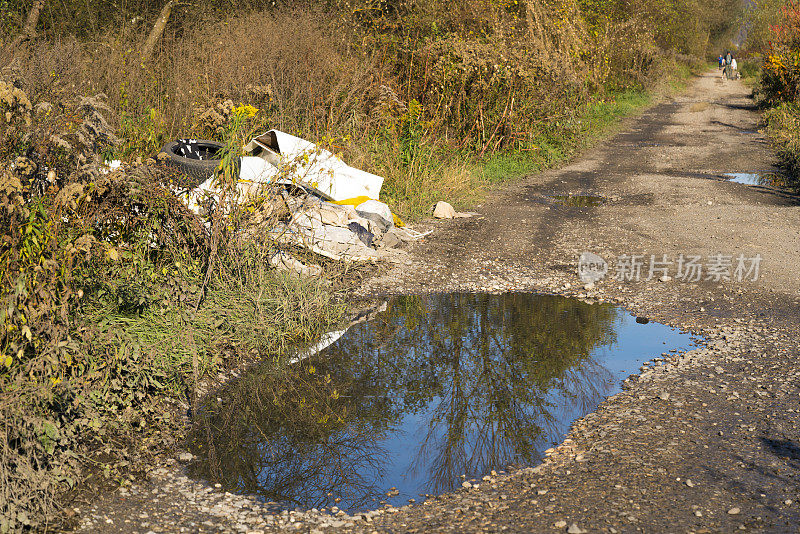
(403, 90)
(115, 296)
(779, 83)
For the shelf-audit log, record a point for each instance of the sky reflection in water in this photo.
(435, 387)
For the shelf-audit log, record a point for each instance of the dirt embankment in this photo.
(699, 442)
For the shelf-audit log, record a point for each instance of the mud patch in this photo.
(578, 201)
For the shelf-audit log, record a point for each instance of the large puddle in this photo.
(433, 390)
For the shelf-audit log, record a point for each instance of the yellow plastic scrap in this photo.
(355, 201)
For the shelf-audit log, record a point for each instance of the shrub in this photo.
(780, 78)
(114, 296)
(783, 128)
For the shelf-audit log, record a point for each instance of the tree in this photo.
(29, 30)
(158, 29)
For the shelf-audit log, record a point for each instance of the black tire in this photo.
(197, 170)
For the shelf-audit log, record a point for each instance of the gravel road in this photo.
(701, 441)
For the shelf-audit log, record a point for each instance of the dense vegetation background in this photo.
(115, 296)
(773, 38)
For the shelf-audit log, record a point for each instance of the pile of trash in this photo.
(333, 209)
(365, 232)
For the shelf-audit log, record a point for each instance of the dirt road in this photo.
(663, 178)
(719, 454)
(705, 441)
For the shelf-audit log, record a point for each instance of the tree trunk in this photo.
(158, 29)
(29, 30)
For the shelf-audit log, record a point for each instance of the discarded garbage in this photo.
(307, 229)
(361, 200)
(284, 262)
(377, 212)
(338, 215)
(197, 197)
(338, 231)
(252, 169)
(303, 163)
(391, 240)
(363, 234)
(198, 158)
(333, 210)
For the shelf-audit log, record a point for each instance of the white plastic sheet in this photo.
(289, 159)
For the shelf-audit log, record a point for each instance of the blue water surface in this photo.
(435, 389)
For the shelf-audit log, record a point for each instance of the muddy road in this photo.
(705, 441)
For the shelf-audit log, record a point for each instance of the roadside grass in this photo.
(261, 317)
(415, 180)
(597, 120)
(677, 74)
(463, 180)
(115, 413)
(783, 128)
(750, 68)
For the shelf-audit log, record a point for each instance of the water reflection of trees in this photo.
(492, 376)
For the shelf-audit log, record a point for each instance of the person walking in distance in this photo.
(728, 61)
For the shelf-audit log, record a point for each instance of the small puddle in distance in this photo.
(751, 178)
(580, 201)
(433, 388)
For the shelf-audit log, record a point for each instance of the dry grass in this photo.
(457, 96)
(290, 65)
(414, 104)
